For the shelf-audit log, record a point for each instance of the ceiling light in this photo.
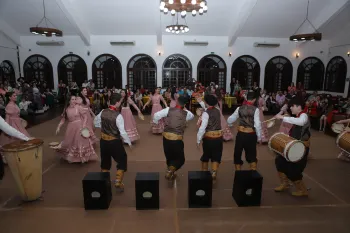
(310, 36)
(184, 6)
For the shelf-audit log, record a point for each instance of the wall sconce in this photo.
(297, 55)
(349, 54)
(159, 53)
(229, 54)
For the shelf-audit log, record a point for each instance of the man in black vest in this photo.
(211, 133)
(249, 132)
(175, 124)
(300, 131)
(111, 123)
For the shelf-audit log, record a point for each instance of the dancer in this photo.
(285, 127)
(156, 107)
(75, 148)
(84, 102)
(212, 141)
(173, 145)
(294, 170)
(129, 123)
(14, 120)
(260, 103)
(247, 136)
(111, 122)
(173, 97)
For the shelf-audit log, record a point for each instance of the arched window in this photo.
(212, 68)
(246, 69)
(38, 68)
(7, 73)
(336, 75)
(142, 71)
(311, 73)
(278, 74)
(107, 71)
(72, 68)
(177, 69)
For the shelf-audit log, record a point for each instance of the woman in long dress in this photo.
(75, 148)
(285, 127)
(156, 107)
(173, 97)
(13, 119)
(261, 105)
(84, 102)
(129, 120)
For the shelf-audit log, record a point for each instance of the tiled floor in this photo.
(61, 210)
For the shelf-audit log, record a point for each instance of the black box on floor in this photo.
(247, 188)
(200, 185)
(147, 190)
(97, 190)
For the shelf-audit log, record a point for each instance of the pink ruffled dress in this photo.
(14, 120)
(89, 118)
(74, 147)
(173, 102)
(156, 107)
(285, 127)
(129, 121)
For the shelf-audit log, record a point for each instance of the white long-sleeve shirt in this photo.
(204, 123)
(257, 122)
(300, 121)
(6, 128)
(164, 113)
(120, 124)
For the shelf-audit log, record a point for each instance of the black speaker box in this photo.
(147, 190)
(200, 184)
(247, 188)
(97, 190)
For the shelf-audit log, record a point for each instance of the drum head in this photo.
(22, 145)
(270, 124)
(338, 128)
(296, 152)
(85, 133)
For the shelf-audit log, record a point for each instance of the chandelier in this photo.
(176, 27)
(45, 30)
(306, 37)
(183, 6)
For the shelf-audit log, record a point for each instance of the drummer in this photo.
(300, 131)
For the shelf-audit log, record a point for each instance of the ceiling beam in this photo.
(330, 12)
(240, 19)
(158, 23)
(73, 17)
(11, 34)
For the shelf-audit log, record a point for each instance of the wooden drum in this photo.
(291, 149)
(343, 142)
(25, 162)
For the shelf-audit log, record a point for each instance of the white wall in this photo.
(171, 45)
(8, 52)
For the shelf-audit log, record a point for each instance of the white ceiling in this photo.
(268, 18)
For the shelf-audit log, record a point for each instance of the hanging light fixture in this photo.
(45, 30)
(176, 28)
(183, 6)
(306, 37)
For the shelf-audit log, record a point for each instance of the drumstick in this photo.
(273, 118)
